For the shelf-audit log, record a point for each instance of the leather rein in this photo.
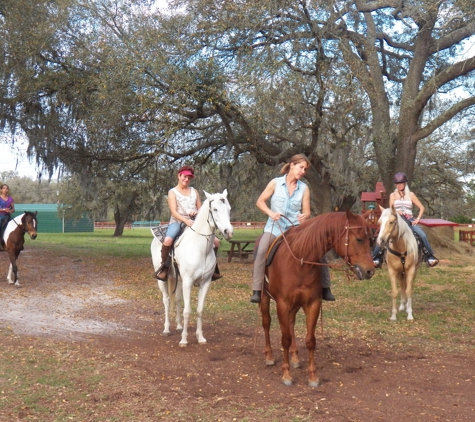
(345, 233)
(401, 255)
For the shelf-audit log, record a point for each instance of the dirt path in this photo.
(70, 303)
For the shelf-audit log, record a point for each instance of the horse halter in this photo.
(345, 232)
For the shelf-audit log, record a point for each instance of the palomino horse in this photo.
(402, 256)
(294, 279)
(14, 238)
(195, 260)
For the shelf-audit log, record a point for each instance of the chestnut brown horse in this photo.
(14, 239)
(293, 279)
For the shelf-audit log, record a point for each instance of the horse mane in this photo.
(404, 231)
(309, 240)
(406, 234)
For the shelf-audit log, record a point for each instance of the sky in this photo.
(14, 159)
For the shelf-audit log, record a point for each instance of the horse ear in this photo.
(225, 193)
(348, 213)
(36, 212)
(208, 196)
(381, 208)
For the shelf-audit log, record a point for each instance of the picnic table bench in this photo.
(240, 249)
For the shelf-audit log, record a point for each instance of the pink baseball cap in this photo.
(187, 173)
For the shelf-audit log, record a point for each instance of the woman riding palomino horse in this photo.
(7, 207)
(402, 200)
(184, 203)
(289, 198)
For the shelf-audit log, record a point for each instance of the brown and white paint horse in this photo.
(14, 239)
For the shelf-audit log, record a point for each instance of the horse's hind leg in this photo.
(266, 322)
(166, 305)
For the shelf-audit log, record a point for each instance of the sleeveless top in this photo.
(184, 204)
(404, 205)
(5, 204)
(284, 204)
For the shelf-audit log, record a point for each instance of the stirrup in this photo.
(161, 269)
(432, 261)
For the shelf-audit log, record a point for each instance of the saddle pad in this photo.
(159, 232)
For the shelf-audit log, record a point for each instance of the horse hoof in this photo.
(164, 334)
(270, 362)
(287, 382)
(295, 365)
(314, 384)
(183, 344)
(202, 343)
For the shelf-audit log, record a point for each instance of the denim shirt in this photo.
(290, 206)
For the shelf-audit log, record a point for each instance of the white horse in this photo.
(402, 256)
(195, 260)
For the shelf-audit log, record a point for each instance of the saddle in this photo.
(272, 248)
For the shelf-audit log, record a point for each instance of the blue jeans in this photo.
(173, 230)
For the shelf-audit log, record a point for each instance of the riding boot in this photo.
(217, 275)
(327, 294)
(256, 296)
(162, 272)
(431, 260)
(378, 258)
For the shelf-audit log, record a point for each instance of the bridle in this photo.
(211, 224)
(401, 255)
(21, 226)
(345, 232)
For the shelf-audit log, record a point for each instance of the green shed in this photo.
(49, 220)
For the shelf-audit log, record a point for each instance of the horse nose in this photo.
(369, 274)
(33, 236)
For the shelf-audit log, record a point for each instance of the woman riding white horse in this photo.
(184, 203)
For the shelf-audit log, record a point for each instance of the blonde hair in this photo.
(297, 158)
(407, 191)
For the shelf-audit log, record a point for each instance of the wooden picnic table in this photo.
(240, 248)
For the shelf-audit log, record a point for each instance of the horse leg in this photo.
(410, 282)
(266, 322)
(202, 292)
(402, 305)
(166, 305)
(394, 292)
(10, 275)
(187, 285)
(283, 314)
(312, 313)
(13, 271)
(178, 298)
(294, 351)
